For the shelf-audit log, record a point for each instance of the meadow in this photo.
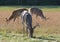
(49, 30)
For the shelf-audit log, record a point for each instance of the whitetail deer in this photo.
(37, 12)
(27, 21)
(15, 15)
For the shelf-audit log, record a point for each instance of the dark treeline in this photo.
(29, 2)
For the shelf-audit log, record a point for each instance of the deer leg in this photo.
(31, 32)
(36, 18)
(23, 27)
(27, 30)
(18, 20)
(14, 20)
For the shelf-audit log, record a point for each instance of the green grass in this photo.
(14, 37)
(44, 8)
(18, 36)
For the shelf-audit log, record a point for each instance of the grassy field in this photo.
(49, 31)
(44, 8)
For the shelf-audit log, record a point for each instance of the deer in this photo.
(15, 14)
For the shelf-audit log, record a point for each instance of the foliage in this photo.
(29, 2)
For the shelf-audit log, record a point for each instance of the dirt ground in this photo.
(53, 20)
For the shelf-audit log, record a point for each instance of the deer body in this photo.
(37, 12)
(15, 14)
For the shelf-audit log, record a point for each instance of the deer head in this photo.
(7, 20)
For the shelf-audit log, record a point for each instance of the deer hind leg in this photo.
(37, 20)
(30, 32)
(27, 30)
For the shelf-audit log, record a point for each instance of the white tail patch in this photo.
(23, 13)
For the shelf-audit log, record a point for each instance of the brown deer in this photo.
(37, 12)
(27, 21)
(15, 14)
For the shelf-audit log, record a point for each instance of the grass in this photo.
(18, 36)
(44, 8)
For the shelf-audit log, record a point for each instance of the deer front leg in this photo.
(18, 20)
(14, 20)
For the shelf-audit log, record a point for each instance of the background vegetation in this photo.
(29, 2)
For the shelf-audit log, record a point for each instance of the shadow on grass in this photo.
(43, 38)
